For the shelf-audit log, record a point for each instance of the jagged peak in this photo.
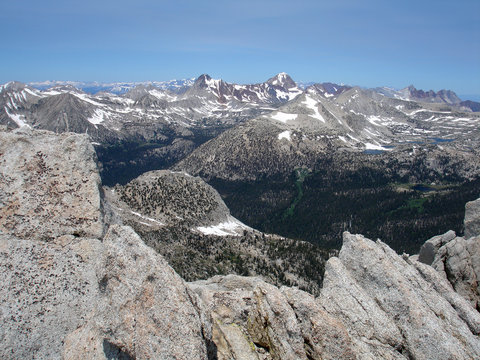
(203, 77)
(205, 81)
(447, 96)
(282, 79)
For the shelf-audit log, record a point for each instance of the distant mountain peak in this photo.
(445, 96)
(205, 81)
(13, 86)
(203, 77)
(282, 79)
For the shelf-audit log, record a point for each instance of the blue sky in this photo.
(431, 44)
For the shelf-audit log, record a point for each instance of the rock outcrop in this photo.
(81, 298)
(457, 258)
(374, 304)
(143, 307)
(50, 185)
(429, 250)
(472, 219)
(394, 308)
(458, 262)
(255, 320)
(80, 294)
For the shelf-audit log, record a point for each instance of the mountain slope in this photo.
(324, 163)
(186, 221)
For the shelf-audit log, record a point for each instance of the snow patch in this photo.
(146, 218)
(312, 105)
(370, 146)
(85, 98)
(32, 93)
(291, 94)
(232, 227)
(182, 173)
(98, 117)
(19, 119)
(375, 120)
(284, 117)
(284, 135)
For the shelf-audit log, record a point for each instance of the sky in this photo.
(430, 44)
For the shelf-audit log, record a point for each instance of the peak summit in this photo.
(282, 79)
(205, 81)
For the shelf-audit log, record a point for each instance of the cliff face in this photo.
(74, 286)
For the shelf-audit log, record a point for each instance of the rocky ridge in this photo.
(456, 258)
(80, 294)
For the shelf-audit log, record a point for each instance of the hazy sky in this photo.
(431, 44)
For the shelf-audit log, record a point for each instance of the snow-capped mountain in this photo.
(323, 116)
(276, 90)
(329, 119)
(363, 119)
(64, 107)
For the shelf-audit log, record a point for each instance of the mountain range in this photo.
(271, 148)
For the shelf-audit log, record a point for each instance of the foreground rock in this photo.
(49, 185)
(472, 219)
(458, 262)
(396, 309)
(80, 295)
(457, 259)
(84, 298)
(374, 305)
(255, 320)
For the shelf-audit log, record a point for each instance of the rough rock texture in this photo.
(144, 309)
(84, 298)
(256, 320)
(49, 185)
(79, 297)
(397, 309)
(458, 261)
(47, 290)
(374, 305)
(472, 219)
(429, 250)
(85, 295)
